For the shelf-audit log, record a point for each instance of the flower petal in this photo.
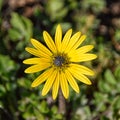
(82, 69)
(42, 77)
(37, 53)
(40, 46)
(58, 37)
(82, 57)
(78, 43)
(66, 40)
(85, 49)
(37, 68)
(49, 41)
(72, 41)
(49, 83)
(80, 76)
(33, 51)
(64, 85)
(36, 60)
(56, 86)
(72, 81)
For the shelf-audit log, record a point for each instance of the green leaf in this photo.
(104, 87)
(56, 9)
(116, 103)
(24, 82)
(21, 27)
(8, 67)
(117, 35)
(44, 108)
(17, 23)
(96, 5)
(104, 118)
(100, 101)
(58, 117)
(10, 86)
(38, 115)
(100, 97)
(2, 90)
(54, 110)
(28, 27)
(109, 77)
(117, 72)
(1, 3)
(14, 34)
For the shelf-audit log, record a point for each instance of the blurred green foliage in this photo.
(96, 6)
(19, 22)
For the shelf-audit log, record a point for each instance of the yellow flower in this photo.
(60, 62)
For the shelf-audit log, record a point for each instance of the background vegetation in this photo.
(22, 19)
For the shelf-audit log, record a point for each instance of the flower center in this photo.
(59, 61)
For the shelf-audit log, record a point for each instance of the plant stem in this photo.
(62, 103)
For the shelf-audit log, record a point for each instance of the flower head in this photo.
(60, 62)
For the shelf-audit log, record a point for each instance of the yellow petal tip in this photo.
(92, 46)
(54, 98)
(92, 73)
(23, 61)
(66, 97)
(34, 85)
(44, 32)
(26, 48)
(85, 36)
(43, 94)
(70, 30)
(89, 83)
(58, 25)
(95, 57)
(78, 91)
(32, 40)
(26, 71)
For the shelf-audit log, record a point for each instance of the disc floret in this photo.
(61, 61)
